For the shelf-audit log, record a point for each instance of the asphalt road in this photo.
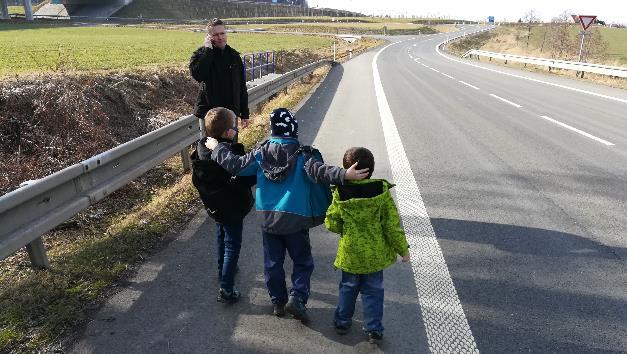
(512, 187)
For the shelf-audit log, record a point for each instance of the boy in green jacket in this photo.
(364, 214)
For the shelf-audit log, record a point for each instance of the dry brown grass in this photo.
(512, 40)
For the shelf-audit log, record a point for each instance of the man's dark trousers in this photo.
(298, 247)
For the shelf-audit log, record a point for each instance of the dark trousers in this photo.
(299, 249)
(229, 239)
(371, 288)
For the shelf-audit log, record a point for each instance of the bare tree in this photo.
(530, 18)
(561, 41)
(595, 48)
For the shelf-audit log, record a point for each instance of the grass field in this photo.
(32, 48)
(359, 25)
(19, 10)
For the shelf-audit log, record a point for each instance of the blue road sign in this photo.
(491, 19)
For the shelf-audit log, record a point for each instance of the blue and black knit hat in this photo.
(283, 124)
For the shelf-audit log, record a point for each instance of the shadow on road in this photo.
(514, 280)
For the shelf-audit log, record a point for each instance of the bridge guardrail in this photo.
(552, 63)
(30, 211)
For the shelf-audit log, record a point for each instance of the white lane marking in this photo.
(434, 70)
(442, 313)
(605, 142)
(469, 85)
(506, 101)
(449, 76)
(426, 66)
(437, 49)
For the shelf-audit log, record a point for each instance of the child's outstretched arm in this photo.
(320, 172)
(333, 220)
(394, 233)
(234, 164)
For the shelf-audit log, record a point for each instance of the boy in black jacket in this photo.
(226, 198)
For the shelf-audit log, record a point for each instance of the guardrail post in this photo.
(252, 65)
(267, 63)
(4, 10)
(37, 254)
(28, 10)
(187, 162)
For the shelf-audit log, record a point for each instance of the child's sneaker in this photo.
(278, 310)
(374, 337)
(296, 307)
(340, 329)
(228, 296)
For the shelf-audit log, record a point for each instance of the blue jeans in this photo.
(371, 288)
(229, 239)
(299, 249)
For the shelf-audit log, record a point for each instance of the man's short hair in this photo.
(218, 120)
(214, 22)
(362, 156)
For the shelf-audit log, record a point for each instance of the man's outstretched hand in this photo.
(354, 174)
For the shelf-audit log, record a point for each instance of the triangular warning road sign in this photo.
(586, 21)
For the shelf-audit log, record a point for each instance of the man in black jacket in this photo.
(220, 71)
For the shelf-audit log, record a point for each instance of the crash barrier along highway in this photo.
(30, 211)
(615, 71)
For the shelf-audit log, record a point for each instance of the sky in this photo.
(611, 11)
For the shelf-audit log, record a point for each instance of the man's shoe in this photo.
(228, 296)
(296, 307)
(278, 310)
(375, 337)
(340, 329)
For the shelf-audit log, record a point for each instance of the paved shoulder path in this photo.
(511, 186)
(170, 306)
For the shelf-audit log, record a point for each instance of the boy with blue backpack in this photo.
(293, 195)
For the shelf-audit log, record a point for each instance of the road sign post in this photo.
(583, 36)
(585, 22)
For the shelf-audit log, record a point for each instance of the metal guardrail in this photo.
(464, 34)
(552, 63)
(30, 211)
(257, 65)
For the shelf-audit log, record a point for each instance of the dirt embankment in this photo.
(52, 122)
